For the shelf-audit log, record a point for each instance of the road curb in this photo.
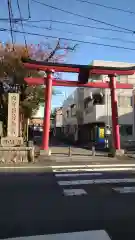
(70, 168)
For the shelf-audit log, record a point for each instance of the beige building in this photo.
(79, 110)
(58, 121)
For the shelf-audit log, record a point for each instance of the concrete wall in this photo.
(100, 113)
(58, 120)
(70, 122)
(74, 98)
(93, 112)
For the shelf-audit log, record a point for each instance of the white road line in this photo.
(96, 181)
(93, 166)
(74, 192)
(77, 174)
(124, 189)
(93, 169)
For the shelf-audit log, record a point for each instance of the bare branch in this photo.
(53, 57)
(54, 51)
(72, 48)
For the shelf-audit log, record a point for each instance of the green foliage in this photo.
(53, 113)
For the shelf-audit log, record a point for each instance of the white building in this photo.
(79, 112)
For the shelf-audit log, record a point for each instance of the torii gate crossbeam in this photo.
(49, 82)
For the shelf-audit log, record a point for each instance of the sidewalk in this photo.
(97, 160)
(80, 158)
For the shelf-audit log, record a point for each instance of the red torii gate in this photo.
(84, 71)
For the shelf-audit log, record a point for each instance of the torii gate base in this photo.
(49, 81)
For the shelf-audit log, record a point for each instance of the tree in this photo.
(12, 73)
(53, 113)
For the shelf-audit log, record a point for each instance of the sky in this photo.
(84, 52)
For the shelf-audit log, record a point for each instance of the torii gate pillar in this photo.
(47, 112)
(115, 124)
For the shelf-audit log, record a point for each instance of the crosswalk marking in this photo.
(74, 192)
(125, 189)
(96, 181)
(68, 181)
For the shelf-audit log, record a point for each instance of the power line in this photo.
(34, 26)
(80, 25)
(79, 15)
(14, 20)
(13, 23)
(10, 20)
(106, 6)
(94, 36)
(19, 9)
(70, 39)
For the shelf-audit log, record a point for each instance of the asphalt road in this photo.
(35, 204)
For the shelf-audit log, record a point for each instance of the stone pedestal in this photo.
(119, 153)
(12, 149)
(116, 153)
(46, 153)
(16, 154)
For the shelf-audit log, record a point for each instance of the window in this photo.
(99, 99)
(67, 113)
(87, 102)
(126, 130)
(124, 101)
(73, 110)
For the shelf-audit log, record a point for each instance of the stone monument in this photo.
(13, 115)
(12, 147)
